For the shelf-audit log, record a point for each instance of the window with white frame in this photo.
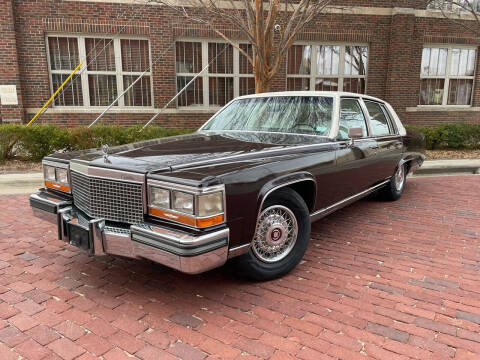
(457, 5)
(327, 67)
(447, 75)
(228, 75)
(113, 64)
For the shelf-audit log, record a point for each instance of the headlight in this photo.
(49, 173)
(182, 202)
(62, 176)
(159, 197)
(194, 207)
(210, 204)
(56, 177)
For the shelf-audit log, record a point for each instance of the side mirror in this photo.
(355, 133)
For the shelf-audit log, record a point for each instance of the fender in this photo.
(268, 188)
(264, 192)
(414, 162)
(280, 182)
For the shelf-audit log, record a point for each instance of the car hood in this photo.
(200, 148)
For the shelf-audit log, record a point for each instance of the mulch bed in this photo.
(19, 166)
(452, 154)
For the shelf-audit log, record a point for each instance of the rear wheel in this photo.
(281, 237)
(394, 190)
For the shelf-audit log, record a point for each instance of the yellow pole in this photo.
(55, 94)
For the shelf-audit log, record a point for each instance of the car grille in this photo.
(108, 199)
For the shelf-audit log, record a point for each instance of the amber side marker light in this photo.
(206, 222)
(56, 186)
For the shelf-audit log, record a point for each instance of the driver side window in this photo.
(351, 115)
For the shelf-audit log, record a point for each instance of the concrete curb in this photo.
(454, 166)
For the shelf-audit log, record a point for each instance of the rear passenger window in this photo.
(379, 122)
(351, 115)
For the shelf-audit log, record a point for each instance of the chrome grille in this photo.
(108, 199)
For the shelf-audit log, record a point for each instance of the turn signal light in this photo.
(183, 219)
(56, 186)
(187, 220)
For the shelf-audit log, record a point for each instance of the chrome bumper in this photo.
(182, 251)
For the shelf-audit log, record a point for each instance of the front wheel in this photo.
(281, 237)
(394, 190)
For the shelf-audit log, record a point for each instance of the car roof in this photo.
(309, 93)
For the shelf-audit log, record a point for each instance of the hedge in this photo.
(457, 136)
(35, 142)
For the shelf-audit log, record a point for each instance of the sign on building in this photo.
(8, 95)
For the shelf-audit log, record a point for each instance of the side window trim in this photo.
(362, 108)
(366, 115)
(390, 123)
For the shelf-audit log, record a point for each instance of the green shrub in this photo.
(37, 141)
(9, 136)
(451, 136)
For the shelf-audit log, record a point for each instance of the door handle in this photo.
(373, 147)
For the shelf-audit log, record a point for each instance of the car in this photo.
(246, 186)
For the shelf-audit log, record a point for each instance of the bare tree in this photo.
(464, 13)
(269, 25)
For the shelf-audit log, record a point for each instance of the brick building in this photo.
(423, 64)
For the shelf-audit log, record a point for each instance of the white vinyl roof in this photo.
(309, 93)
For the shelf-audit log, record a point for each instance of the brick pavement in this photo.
(380, 280)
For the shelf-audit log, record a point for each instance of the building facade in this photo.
(426, 66)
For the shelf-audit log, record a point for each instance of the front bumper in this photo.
(186, 252)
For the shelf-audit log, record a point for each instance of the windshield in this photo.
(285, 114)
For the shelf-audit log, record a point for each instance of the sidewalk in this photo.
(22, 183)
(446, 167)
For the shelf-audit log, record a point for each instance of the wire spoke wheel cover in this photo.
(276, 234)
(399, 178)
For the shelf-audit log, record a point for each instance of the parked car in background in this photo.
(247, 185)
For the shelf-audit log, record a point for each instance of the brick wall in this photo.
(9, 69)
(395, 46)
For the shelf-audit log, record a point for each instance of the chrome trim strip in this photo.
(178, 237)
(273, 189)
(55, 164)
(279, 187)
(97, 233)
(238, 250)
(45, 215)
(190, 189)
(43, 197)
(329, 209)
(105, 173)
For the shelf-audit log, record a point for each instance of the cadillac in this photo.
(246, 186)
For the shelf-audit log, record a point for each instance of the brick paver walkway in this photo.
(380, 280)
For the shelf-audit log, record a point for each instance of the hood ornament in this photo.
(105, 149)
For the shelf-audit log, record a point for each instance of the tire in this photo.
(394, 190)
(289, 211)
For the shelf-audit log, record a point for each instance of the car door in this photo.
(355, 159)
(389, 142)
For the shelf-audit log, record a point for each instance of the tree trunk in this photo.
(261, 84)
